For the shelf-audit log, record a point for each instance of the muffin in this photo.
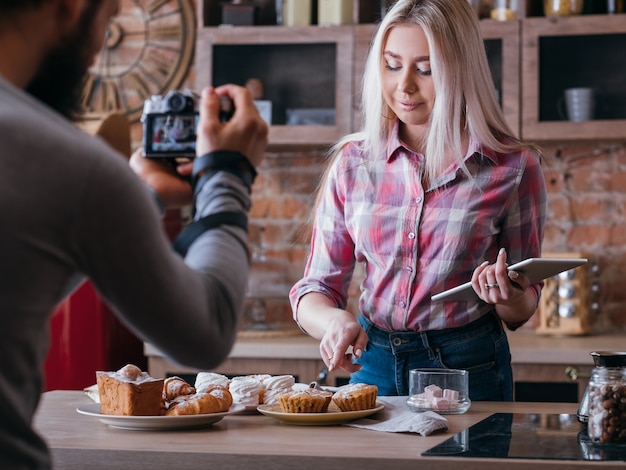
(305, 401)
(356, 397)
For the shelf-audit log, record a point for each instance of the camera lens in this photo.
(176, 102)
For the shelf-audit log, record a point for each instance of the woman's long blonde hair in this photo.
(465, 97)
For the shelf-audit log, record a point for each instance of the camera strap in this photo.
(210, 163)
(184, 240)
(223, 160)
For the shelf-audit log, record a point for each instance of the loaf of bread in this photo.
(130, 392)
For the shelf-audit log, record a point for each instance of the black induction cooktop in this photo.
(528, 436)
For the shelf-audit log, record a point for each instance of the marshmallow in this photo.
(433, 391)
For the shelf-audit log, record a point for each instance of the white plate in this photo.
(157, 423)
(537, 269)
(317, 419)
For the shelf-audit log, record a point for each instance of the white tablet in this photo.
(536, 269)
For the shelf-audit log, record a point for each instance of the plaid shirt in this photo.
(415, 243)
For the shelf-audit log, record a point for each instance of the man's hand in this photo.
(164, 178)
(245, 132)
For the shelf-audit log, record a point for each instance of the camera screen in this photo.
(171, 134)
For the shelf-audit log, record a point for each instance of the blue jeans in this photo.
(481, 348)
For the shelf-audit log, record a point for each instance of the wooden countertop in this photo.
(255, 441)
(527, 347)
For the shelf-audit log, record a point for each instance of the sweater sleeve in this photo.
(190, 309)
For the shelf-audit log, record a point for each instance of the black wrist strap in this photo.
(198, 227)
(223, 160)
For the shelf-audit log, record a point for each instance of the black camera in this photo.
(170, 123)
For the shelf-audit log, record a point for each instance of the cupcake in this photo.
(356, 397)
(305, 401)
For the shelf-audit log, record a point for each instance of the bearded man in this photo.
(71, 208)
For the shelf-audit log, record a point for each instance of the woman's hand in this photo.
(342, 333)
(337, 330)
(495, 284)
(507, 290)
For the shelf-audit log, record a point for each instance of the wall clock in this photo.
(148, 50)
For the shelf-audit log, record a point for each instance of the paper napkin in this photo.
(397, 417)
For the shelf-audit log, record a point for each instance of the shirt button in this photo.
(418, 199)
(409, 269)
(402, 304)
(411, 235)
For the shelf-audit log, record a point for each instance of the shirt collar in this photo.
(394, 143)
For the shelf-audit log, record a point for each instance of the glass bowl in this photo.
(444, 391)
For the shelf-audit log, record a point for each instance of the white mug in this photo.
(579, 104)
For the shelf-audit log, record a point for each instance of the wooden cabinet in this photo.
(312, 75)
(363, 35)
(502, 45)
(305, 72)
(576, 51)
(564, 383)
(319, 69)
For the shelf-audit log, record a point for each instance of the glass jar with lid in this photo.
(607, 405)
(562, 7)
(504, 10)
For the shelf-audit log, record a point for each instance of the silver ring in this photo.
(491, 286)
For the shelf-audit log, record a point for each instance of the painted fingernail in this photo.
(484, 263)
(502, 250)
(513, 274)
(357, 353)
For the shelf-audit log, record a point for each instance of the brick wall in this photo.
(587, 213)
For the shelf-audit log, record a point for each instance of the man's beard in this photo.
(61, 76)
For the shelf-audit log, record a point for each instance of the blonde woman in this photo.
(435, 190)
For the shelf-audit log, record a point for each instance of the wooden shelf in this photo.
(532, 60)
(363, 35)
(305, 68)
(559, 53)
(502, 39)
